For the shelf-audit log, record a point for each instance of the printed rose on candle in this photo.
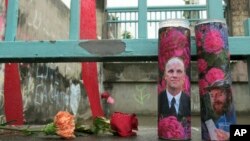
(213, 61)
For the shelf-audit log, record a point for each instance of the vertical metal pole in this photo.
(74, 33)
(11, 23)
(215, 9)
(13, 105)
(247, 33)
(142, 19)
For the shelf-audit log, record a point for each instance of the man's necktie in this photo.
(172, 108)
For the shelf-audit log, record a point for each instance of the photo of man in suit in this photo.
(173, 101)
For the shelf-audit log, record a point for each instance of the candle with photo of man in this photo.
(174, 111)
(216, 98)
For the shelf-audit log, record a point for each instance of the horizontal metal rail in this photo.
(100, 50)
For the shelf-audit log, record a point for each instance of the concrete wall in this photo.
(238, 12)
(47, 87)
(134, 87)
(43, 20)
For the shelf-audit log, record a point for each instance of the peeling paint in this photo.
(104, 47)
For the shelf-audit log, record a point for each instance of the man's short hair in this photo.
(174, 60)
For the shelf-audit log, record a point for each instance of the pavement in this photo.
(147, 132)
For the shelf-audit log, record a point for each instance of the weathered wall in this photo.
(43, 20)
(47, 87)
(134, 87)
(238, 11)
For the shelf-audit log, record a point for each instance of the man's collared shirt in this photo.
(177, 99)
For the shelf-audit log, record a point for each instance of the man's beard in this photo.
(219, 107)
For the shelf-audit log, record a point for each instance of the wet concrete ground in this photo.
(147, 132)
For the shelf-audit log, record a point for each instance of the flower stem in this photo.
(21, 129)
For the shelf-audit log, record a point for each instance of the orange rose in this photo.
(65, 124)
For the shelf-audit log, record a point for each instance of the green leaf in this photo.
(84, 129)
(211, 59)
(101, 125)
(50, 129)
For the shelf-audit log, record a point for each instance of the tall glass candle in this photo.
(216, 98)
(174, 120)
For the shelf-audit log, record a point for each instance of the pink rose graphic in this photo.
(161, 86)
(170, 128)
(186, 85)
(173, 39)
(178, 51)
(213, 75)
(198, 39)
(172, 43)
(202, 85)
(162, 60)
(186, 57)
(213, 42)
(202, 65)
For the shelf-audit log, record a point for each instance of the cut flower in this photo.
(123, 124)
(64, 126)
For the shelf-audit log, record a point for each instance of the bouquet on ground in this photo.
(121, 124)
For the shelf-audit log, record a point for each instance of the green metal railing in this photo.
(141, 49)
(122, 21)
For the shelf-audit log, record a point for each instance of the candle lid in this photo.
(211, 21)
(175, 23)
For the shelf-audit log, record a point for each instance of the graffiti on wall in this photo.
(34, 20)
(142, 94)
(47, 88)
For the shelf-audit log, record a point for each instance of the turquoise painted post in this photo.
(247, 33)
(247, 27)
(11, 23)
(74, 33)
(215, 9)
(13, 105)
(142, 19)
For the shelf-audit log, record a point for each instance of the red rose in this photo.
(213, 42)
(170, 128)
(105, 95)
(202, 65)
(198, 38)
(186, 57)
(172, 43)
(161, 86)
(178, 52)
(186, 85)
(214, 74)
(123, 124)
(173, 39)
(202, 85)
